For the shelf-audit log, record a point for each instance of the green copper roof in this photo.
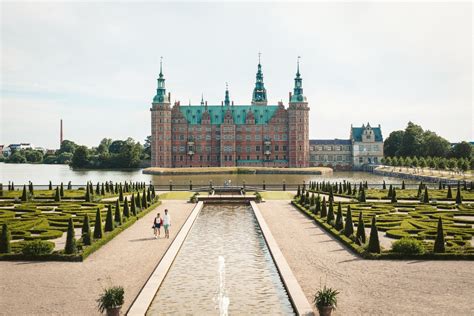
(262, 114)
(357, 133)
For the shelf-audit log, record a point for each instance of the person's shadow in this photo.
(142, 239)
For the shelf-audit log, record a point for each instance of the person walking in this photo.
(157, 224)
(167, 223)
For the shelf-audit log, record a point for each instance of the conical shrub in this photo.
(348, 225)
(71, 246)
(24, 195)
(394, 196)
(144, 204)
(324, 208)
(118, 213)
(50, 187)
(120, 194)
(61, 190)
(339, 225)
(330, 218)
(133, 206)
(126, 209)
(360, 233)
(384, 186)
(98, 231)
(426, 198)
(439, 246)
(374, 244)
(403, 185)
(57, 195)
(390, 192)
(5, 238)
(450, 193)
(109, 220)
(458, 196)
(88, 197)
(362, 195)
(86, 231)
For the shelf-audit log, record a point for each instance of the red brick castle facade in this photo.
(230, 135)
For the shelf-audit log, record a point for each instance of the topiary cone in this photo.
(339, 225)
(71, 246)
(360, 233)
(5, 239)
(126, 209)
(439, 241)
(98, 231)
(86, 231)
(109, 220)
(348, 226)
(330, 218)
(374, 244)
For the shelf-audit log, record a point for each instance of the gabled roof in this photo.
(357, 133)
(262, 114)
(329, 141)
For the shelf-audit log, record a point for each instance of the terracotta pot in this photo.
(325, 310)
(113, 311)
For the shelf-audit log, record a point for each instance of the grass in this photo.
(277, 195)
(178, 195)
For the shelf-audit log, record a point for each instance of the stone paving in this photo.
(368, 287)
(71, 288)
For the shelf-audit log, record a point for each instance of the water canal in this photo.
(224, 267)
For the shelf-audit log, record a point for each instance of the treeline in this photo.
(438, 163)
(108, 154)
(414, 141)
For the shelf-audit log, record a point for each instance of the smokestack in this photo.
(60, 132)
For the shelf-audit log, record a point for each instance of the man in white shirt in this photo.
(167, 223)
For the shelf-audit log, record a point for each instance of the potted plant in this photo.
(325, 300)
(111, 300)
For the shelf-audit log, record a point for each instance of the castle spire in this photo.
(161, 96)
(259, 96)
(297, 95)
(202, 98)
(227, 98)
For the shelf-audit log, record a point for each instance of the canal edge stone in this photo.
(295, 293)
(149, 290)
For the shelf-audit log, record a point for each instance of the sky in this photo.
(95, 64)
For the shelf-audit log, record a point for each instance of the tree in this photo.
(133, 206)
(450, 194)
(61, 190)
(348, 225)
(462, 150)
(317, 207)
(71, 246)
(98, 231)
(57, 195)
(109, 220)
(324, 209)
(374, 244)
(118, 213)
(360, 234)
(34, 156)
(120, 194)
(339, 225)
(411, 140)
(390, 192)
(67, 146)
(17, 157)
(362, 195)
(392, 144)
(434, 145)
(422, 162)
(403, 184)
(330, 217)
(86, 231)
(439, 241)
(393, 198)
(384, 186)
(5, 239)
(80, 159)
(88, 196)
(24, 195)
(388, 161)
(458, 195)
(426, 198)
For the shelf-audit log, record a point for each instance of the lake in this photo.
(41, 175)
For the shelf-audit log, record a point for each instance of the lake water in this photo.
(42, 174)
(224, 267)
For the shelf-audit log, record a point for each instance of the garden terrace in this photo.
(43, 218)
(397, 220)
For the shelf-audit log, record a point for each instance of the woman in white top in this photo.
(167, 223)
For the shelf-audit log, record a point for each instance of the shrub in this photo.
(126, 209)
(403, 185)
(408, 246)
(118, 214)
(24, 195)
(325, 297)
(324, 209)
(133, 206)
(360, 234)
(120, 194)
(71, 246)
(57, 195)
(258, 197)
(426, 198)
(362, 195)
(450, 193)
(111, 298)
(86, 231)
(439, 241)
(109, 220)
(374, 244)
(61, 190)
(348, 226)
(98, 232)
(339, 225)
(37, 247)
(5, 239)
(458, 196)
(330, 218)
(50, 187)
(390, 191)
(394, 196)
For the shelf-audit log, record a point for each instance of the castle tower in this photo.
(298, 125)
(161, 125)
(259, 96)
(227, 158)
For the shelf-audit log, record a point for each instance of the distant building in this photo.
(1, 150)
(7, 151)
(364, 147)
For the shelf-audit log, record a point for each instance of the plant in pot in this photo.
(111, 300)
(325, 300)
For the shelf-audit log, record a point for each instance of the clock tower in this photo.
(298, 124)
(161, 125)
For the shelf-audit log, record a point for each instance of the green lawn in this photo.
(179, 195)
(412, 194)
(277, 195)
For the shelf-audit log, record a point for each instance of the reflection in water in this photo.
(42, 174)
(225, 247)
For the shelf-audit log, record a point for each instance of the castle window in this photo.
(277, 148)
(258, 157)
(257, 148)
(276, 157)
(248, 157)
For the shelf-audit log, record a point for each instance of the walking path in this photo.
(368, 287)
(71, 288)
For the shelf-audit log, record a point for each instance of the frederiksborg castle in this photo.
(257, 134)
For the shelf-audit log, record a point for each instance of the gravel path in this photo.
(70, 288)
(368, 287)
